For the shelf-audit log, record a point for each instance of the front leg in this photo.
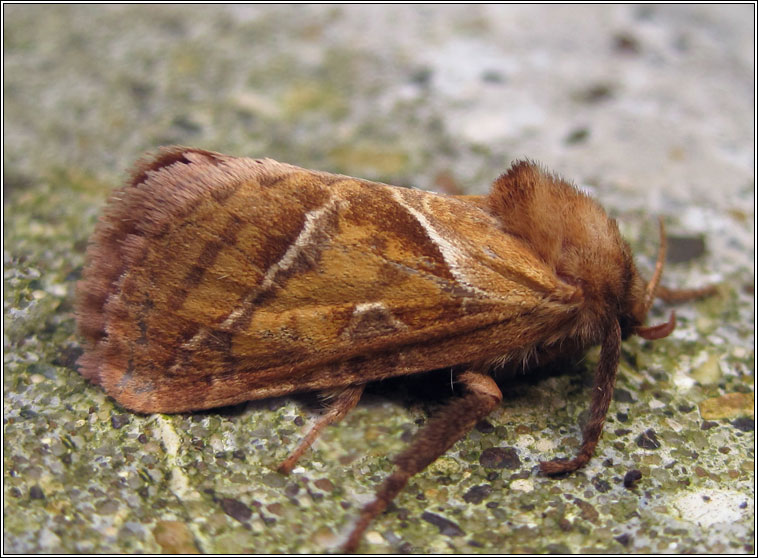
(602, 392)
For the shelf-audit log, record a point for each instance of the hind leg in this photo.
(341, 404)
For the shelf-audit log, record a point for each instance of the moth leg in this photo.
(446, 427)
(341, 405)
(602, 391)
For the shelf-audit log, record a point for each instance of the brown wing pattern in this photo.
(229, 279)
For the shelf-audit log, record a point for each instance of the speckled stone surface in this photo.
(648, 107)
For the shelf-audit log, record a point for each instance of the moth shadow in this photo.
(427, 390)
(511, 378)
(430, 390)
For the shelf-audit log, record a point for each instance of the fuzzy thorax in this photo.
(574, 236)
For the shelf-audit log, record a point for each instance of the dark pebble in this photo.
(626, 43)
(596, 93)
(236, 509)
(500, 458)
(744, 423)
(485, 427)
(493, 76)
(27, 413)
(577, 135)
(477, 494)
(445, 526)
(621, 395)
(406, 548)
(632, 477)
(324, 484)
(601, 485)
(648, 440)
(684, 248)
(119, 420)
(68, 356)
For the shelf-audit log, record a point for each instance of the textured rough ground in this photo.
(649, 107)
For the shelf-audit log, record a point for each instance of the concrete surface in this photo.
(651, 108)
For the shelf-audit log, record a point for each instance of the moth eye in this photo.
(627, 324)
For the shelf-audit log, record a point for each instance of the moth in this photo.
(212, 280)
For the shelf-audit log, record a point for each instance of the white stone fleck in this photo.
(374, 537)
(545, 445)
(709, 507)
(522, 485)
(524, 441)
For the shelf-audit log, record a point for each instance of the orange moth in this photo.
(213, 280)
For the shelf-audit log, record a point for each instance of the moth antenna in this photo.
(655, 290)
(652, 286)
(683, 295)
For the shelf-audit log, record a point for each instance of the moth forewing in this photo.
(249, 278)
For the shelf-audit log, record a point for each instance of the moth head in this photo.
(573, 235)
